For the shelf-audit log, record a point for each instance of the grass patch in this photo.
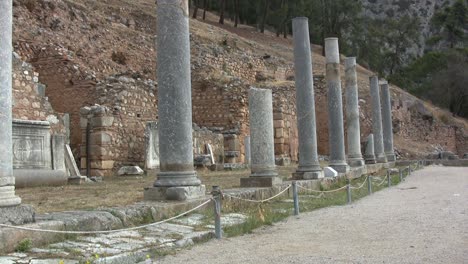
(24, 245)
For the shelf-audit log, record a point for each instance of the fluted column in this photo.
(309, 166)
(377, 120)
(335, 107)
(387, 122)
(352, 114)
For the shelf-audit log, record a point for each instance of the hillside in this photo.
(77, 43)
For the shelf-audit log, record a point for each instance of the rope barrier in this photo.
(362, 185)
(316, 191)
(382, 182)
(106, 231)
(259, 201)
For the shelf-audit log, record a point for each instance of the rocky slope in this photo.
(78, 43)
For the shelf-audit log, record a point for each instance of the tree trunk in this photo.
(236, 12)
(221, 14)
(265, 14)
(204, 9)
(285, 29)
(195, 9)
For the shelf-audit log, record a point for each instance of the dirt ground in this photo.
(118, 191)
(423, 220)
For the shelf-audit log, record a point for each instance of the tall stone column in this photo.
(11, 210)
(369, 155)
(352, 114)
(377, 120)
(262, 144)
(7, 181)
(177, 179)
(387, 122)
(309, 166)
(335, 107)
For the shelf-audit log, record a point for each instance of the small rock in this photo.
(130, 170)
(330, 172)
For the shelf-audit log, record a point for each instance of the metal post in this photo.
(216, 192)
(369, 184)
(348, 190)
(389, 178)
(409, 170)
(295, 198)
(88, 149)
(401, 174)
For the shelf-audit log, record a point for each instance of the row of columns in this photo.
(177, 178)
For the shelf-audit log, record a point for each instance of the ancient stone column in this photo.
(177, 179)
(309, 166)
(262, 145)
(387, 122)
(335, 107)
(369, 156)
(11, 210)
(352, 114)
(377, 120)
(7, 181)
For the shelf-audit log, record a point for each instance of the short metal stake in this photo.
(295, 198)
(389, 177)
(369, 184)
(409, 170)
(216, 192)
(401, 174)
(348, 190)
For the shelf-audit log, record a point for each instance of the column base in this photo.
(177, 178)
(17, 215)
(260, 181)
(340, 167)
(356, 162)
(307, 175)
(381, 158)
(178, 193)
(390, 157)
(370, 159)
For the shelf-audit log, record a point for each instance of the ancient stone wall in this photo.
(30, 102)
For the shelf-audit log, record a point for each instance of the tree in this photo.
(451, 24)
(266, 6)
(195, 9)
(204, 9)
(222, 9)
(236, 12)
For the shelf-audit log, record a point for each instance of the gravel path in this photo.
(423, 220)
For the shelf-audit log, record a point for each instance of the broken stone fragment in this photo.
(130, 170)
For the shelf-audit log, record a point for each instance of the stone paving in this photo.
(126, 246)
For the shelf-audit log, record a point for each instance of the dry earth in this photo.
(423, 220)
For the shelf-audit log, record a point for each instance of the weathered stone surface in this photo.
(6, 143)
(377, 120)
(130, 170)
(352, 114)
(387, 124)
(260, 181)
(335, 107)
(174, 93)
(330, 172)
(369, 155)
(178, 193)
(31, 145)
(305, 100)
(152, 145)
(58, 152)
(16, 215)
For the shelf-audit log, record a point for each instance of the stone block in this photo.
(330, 172)
(130, 170)
(31, 145)
(100, 138)
(278, 123)
(58, 152)
(279, 132)
(102, 121)
(102, 164)
(17, 215)
(259, 182)
(77, 180)
(308, 175)
(180, 193)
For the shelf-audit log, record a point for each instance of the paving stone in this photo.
(192, 220)
(8, 260)
(53, 261)
(171, 228)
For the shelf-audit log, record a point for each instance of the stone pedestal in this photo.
(262, 146)
(387, 122)
(175, 99)
(369, 155)
(179, 193)
(352, 114)
(335, 107)
(377, 120)
(309, 166)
